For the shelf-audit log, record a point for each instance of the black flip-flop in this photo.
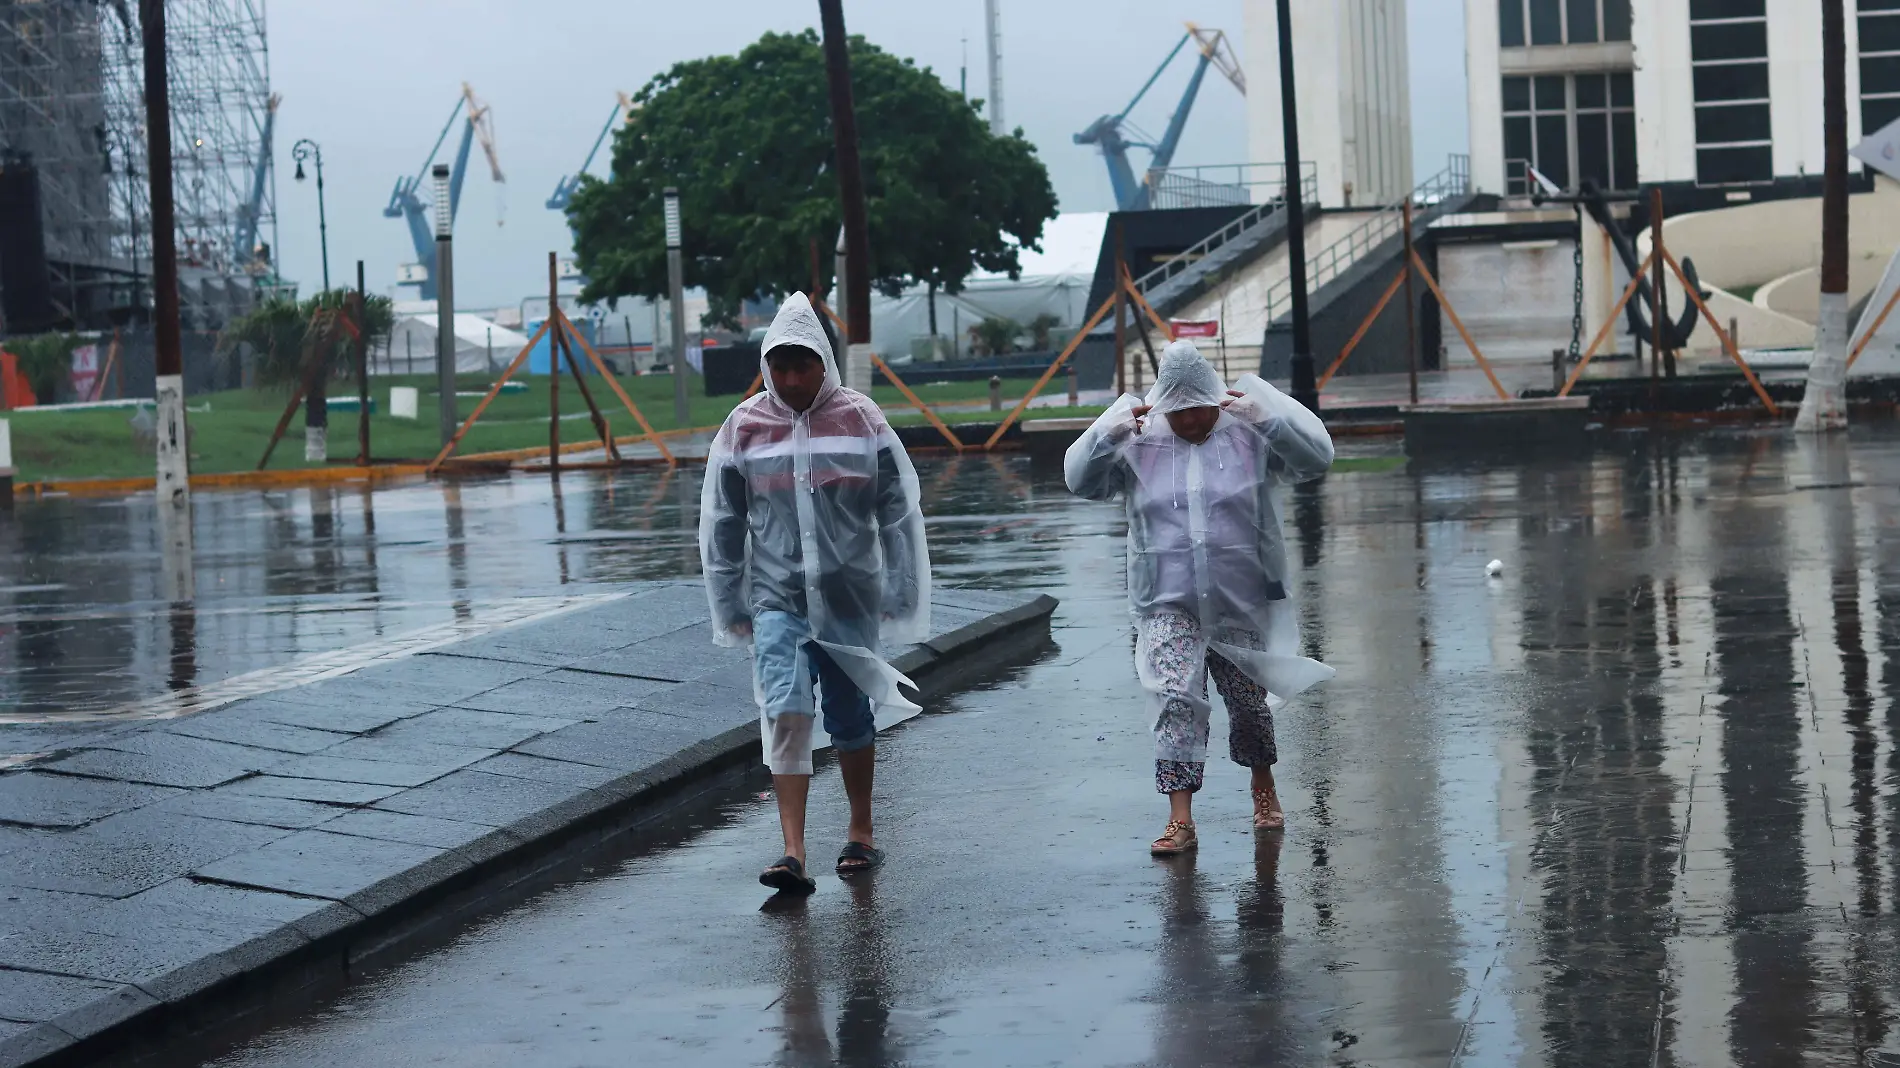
(869, 858)
(787, 876)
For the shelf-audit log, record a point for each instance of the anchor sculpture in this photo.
(1675, 336)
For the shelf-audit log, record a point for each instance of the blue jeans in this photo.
(787, 664)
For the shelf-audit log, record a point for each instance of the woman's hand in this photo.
(1139, 411)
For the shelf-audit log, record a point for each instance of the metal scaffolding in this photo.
(72, 100)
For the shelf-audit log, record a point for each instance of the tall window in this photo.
(1879, 64)
(1570, 127)
(1556, 22)
(1728, 48)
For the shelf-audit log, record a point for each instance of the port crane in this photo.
(565, 189)
(406, 204)
(1111, 132)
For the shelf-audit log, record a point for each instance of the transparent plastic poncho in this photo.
(817, 514)
(1204, 534)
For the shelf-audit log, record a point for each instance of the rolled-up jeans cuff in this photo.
(852, 745)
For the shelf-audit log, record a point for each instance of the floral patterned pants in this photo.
(1173, 641)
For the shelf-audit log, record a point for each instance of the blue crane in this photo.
(405, 204)
(1132, 194)
(564, 189)
(244, 248)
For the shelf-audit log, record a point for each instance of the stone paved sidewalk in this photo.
(160, 864)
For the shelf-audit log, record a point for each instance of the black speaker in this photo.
(26, 281)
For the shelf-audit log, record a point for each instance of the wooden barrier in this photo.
(1609, 324)
(1728, 343)
(1879, 321)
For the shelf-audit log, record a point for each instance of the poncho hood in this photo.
(797, 323)
(1184, 379)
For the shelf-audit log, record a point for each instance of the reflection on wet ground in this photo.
(85, 626)
(1635, 801)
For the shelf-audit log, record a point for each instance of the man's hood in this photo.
(797, 323)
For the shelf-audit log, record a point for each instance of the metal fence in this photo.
(1309, 188)
(1220, 185)
(1428, 200)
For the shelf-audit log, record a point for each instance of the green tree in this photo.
(747, 141)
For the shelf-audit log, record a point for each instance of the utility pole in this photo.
(444, 302)
(840, 295)
(174, 450)
(993, 37)
(1824, 402)
(857, 234)
(676, 291)
(1305, 387)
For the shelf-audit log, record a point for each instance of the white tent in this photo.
(1055, 281)
(480, 345)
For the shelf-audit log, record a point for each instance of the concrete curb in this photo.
(290, 922)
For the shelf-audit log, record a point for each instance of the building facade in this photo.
(1355, 104)
(1723, 93)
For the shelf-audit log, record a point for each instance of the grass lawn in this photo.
(230, 429)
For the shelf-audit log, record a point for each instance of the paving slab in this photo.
(575, 699)
(621, 744)
(293, 708)
(496, 800)
(367, 874)
(37, 799)
(324, 791)
(241, 807)
(254, 732)
(477, 842)
(373, 772)
(121, 855)
(164, 759)
(158, 860)
(25, 1043)
(475, 727)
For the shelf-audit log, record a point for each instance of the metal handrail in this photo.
(1240, 224)
(1335, 259)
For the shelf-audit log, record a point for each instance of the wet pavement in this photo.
(88, 636)
(1634, 801)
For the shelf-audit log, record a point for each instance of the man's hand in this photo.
(741, 629)
(1241, 406)
(1139, 411)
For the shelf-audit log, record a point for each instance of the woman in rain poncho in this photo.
(812, 542)
(1198, 465)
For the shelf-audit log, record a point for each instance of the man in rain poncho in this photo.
(1197, 465)
(812, 542)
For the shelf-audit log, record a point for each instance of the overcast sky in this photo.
(372, 81)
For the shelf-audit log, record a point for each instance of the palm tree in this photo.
(293, 339)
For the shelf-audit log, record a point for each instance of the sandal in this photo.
(788, 877)
(1267, 815)
(858, 858)
(1177, 839)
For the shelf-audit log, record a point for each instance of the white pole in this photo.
(993, 33)
(444, 304)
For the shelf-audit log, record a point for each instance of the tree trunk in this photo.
(1824, 403)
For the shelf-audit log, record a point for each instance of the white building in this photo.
(1629, 92)
(1355, 107)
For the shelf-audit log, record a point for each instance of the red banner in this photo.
(1195, 327)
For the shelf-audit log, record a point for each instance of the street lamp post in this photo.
(1305, 387)
(676, 293)
(307, 149)
(445, 302)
